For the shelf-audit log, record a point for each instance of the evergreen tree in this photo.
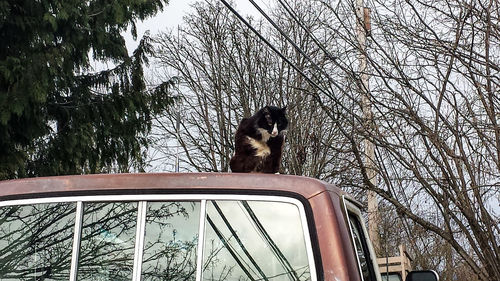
(56, 115)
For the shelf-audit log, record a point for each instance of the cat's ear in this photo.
(266, 110)
(284, 109)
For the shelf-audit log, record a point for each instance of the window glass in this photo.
(170, 241)
(250, 240)
(391, 277)
(361, 248)
(36, 241)
(108, 241)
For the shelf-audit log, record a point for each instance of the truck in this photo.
(184, 226)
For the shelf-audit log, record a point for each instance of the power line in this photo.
(235, 235)
(321, 46)
(276, 250)
(301, 23)
(226, 243)
(337, 103)
(276, 51)
(273, 23)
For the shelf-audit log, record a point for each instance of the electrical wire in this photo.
(296, 68)
(301, 23)
(336, 102)
(302, 52)
(276, 250)
(235, 235)
(321, 46)
(226, 244)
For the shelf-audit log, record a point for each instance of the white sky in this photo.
(174, 12)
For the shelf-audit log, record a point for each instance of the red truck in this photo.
(192, 227)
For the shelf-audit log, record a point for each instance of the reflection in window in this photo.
(108, 241)
(36, 241)
(391, 277)
(170, 241)
(361, 248)
(254, 241)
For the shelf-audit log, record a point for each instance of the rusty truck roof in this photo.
(333, 250)
(189, 182)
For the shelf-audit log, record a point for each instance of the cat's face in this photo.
(273, 120)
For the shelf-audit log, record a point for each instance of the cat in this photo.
(259, 142)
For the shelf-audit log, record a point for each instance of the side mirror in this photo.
(423, 275)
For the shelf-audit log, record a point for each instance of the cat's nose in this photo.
(275, 130)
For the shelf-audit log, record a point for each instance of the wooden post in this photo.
(363, 27)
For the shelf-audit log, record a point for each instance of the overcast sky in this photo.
(172, 16)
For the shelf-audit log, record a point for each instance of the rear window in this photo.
(36, 241)
(155, 238)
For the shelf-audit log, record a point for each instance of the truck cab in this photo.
(175, 226)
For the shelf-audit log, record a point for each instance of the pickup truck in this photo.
(183, 226)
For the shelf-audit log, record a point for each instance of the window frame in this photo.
(351, 208)
(143, 199)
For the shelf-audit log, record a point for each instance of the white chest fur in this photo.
(261, 147)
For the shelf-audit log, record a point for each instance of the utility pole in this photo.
(177, 132)
(363, 28)
(178, 114)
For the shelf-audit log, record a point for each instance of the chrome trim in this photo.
(180, 197)
(149, 197)
(139, 239)
(352, 208)
(76, 241)
(201, 237)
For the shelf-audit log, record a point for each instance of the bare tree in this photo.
(434, 71)
(216, 61)
(434, 91)
(227, 73)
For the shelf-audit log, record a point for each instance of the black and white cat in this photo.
(259, 142)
